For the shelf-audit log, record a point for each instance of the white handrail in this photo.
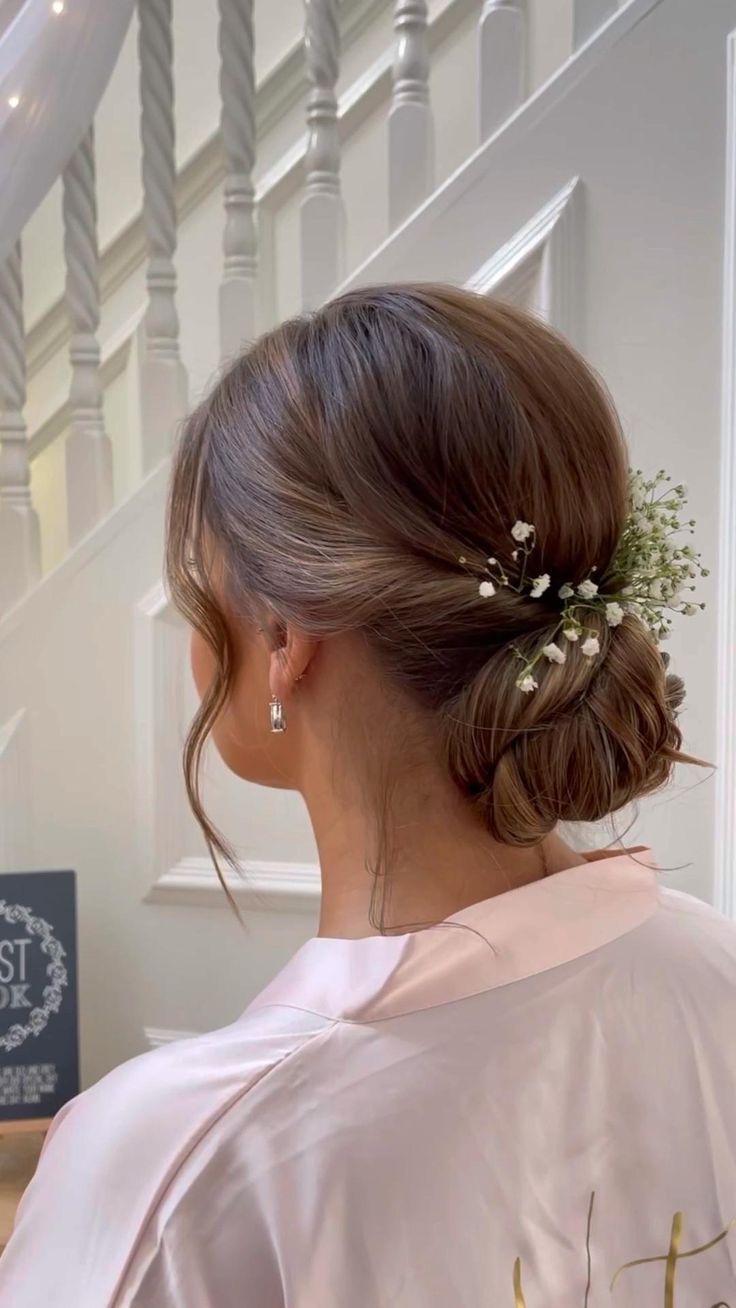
(54, 67)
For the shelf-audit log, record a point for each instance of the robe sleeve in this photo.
(129, 1206)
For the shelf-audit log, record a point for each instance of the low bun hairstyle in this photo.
(344, 465)
(596, 735)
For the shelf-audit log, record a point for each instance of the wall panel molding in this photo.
(158, 645)
(276, 887)
(156, 1036)
(15, 817)
(538, 268)
(725, 779)
(169, 874)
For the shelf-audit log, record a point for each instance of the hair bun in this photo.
(590, 740)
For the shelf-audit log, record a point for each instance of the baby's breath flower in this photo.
(527, 683)
(657, 570)
(637, 491)
(521, 531)
(554, 653)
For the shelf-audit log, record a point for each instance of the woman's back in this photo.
(522, 1105)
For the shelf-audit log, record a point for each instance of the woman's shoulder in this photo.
(114, 1151)
(228, 1058)
(179, 1087)
(689, 915)
(692, 941)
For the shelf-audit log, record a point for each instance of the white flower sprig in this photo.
(657, 573)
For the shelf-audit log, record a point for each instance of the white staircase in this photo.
(578, 158)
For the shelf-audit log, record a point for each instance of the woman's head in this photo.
(325, 492)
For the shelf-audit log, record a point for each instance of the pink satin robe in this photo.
(505, 1109)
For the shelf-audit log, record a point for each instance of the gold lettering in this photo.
(519, 1300)
(587, 1247)
(672, 1257)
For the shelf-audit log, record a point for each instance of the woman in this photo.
(425, 593)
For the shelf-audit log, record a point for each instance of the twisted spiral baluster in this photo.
(502, 49)
(13, 378)
(163, 379)
(322, 214)
(20, 546)
(88, 449)
(238, 126)
(410, 127)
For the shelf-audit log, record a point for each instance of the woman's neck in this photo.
(438, 860)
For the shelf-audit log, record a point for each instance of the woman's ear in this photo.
(290, 660)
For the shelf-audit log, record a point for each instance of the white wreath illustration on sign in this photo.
(55, 971)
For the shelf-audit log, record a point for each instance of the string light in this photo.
(58, 7)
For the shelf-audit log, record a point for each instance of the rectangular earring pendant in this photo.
(278, 717)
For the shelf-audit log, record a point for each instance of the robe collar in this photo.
(519, 933)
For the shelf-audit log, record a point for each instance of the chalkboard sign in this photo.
(39, 1041)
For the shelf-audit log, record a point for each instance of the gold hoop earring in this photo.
(278, 717)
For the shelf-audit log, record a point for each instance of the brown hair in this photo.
(343, 465)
